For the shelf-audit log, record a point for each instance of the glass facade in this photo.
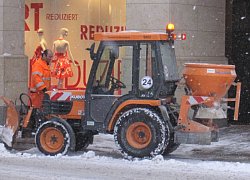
(82, 18)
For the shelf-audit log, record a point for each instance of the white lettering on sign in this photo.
(61, 16)
(88, 31)
(77, 97)
(210, 70)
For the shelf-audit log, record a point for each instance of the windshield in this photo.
(169, 62)
(109, 77)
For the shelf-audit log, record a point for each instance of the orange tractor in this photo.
(138, 106)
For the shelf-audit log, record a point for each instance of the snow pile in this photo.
(89, 154)
(4, 152)
(6, 135)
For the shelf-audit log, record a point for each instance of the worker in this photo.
(40, 78)
(38, 52)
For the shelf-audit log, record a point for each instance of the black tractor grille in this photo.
(56, 107)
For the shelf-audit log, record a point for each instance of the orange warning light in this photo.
(170, 27)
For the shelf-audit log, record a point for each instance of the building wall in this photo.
(202, 20)
(13, 62)
(82, 18)
(12, 58)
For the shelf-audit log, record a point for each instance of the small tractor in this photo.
(137, 106)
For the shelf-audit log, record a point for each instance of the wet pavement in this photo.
(233, 145)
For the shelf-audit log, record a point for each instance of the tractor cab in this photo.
(128, 68)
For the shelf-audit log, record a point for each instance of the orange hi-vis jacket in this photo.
(40, 79)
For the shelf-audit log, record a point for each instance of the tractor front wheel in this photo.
(55, 137)
(140, 132)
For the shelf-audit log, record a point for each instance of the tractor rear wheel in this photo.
(140, 132)
(55, 137)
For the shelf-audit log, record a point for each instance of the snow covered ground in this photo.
(227, 159)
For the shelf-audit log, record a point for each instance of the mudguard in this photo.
(8, 131)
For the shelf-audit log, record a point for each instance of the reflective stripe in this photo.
(33, 89)
(44, 78)
(39, 84)
(37, 72)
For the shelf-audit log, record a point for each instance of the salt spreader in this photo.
(207, 85)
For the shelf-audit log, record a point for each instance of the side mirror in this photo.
(91, 51)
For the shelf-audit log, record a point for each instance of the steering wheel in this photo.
(25, 107)
(116, 83)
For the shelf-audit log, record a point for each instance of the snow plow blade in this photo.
(9, 130)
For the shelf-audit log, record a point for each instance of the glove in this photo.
(44, 90)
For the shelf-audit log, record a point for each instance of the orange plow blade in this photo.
(8, 131)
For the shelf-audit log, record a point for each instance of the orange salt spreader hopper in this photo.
(207, 84)
(209, 79)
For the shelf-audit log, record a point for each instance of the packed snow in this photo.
(102, 160)
(6, 135)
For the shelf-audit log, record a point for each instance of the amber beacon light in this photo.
(170, 27)
(171, 36)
